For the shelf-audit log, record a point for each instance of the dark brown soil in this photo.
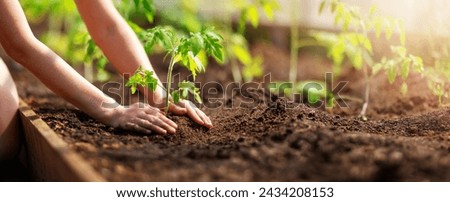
(406, 138)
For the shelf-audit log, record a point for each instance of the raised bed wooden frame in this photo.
(49, 156)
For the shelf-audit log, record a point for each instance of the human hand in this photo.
(142, 118)
(186, 107)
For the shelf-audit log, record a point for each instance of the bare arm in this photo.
(122, 47)
(19, 42)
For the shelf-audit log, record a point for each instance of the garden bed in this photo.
(405, 139)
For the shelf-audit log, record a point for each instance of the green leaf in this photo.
(143, 78)
(252, 69)
(373, 10)
(176, 96)
(268, 10)
(404, 71)
(376, 68)
(391, 73)
(150, 80)
(194, 60)
(368, 45)
(197, 98)
(322, 6)
(184, 93)
(212, 43)
(389, 29)
(357, 60)
(402, 33)
(242, 54)
(103, 75)
(253, 16)
(101, 63)
(135, 27)
(378, 26)
(404, 88)
(334, 5)
(197, 43)
(148, 6)
(136, 3)
(417, 63)
(134, 81)
(187, 87)
(91, 47)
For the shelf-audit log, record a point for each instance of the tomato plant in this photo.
(353, 44)
(181, 49)
(244, 66)
(438, 75)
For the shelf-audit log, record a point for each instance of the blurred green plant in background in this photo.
(62, 29)
(66, 34)
(185, 15)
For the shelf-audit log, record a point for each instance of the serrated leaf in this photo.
(186, 84)
(150, 80)
(176, 96)
(193, 64)
(197, 43)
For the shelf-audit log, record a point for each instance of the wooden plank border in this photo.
(49, 157)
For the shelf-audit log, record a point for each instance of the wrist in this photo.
(109, 113)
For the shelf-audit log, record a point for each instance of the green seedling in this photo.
(185, 16)
(438, 76)
(236, 46)
(354, 45)
(181, 49)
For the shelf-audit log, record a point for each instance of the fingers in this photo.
(204, 118)
(198, 115)
(162, 117)
(158, 123)
(157, 126)
(177, 110)
(136, 127)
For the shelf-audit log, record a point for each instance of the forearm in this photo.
(62, 79)
(117, 40)
(19, 42)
